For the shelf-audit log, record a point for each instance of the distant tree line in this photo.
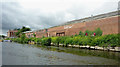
(2, 36)
(20, 31)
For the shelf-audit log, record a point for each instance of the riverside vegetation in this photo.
(81, 39)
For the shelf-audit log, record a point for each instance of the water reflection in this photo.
(85, 52)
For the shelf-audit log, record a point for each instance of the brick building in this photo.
(41, 33)
(29, 34)
(108, 23)
(11, 33)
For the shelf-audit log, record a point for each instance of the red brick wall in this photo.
(11, 33)
(41, 34)
(76, 28)
(55, 28)
(119, 24)
(29, 34)
(108, 25)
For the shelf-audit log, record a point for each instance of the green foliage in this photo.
(72, 36)
(81, 33)
(23, 29)
(75, 34)
(7, 39)
(37, 40)
(23, 36)
(106, 40)
(98, 32)
(88, 32)
(62, 40)
(43, 36)
(57, 40)
(46, 41)
(34, 35)
(69, 41)
(54, 40)
(2, 36)
(17, 29)
(18, 33)
(75, 40)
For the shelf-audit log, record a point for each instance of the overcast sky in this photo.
(40, 14)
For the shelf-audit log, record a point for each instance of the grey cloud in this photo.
(10, 15)
(106, 7)
(15, 16)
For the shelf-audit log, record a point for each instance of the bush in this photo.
(26, 40)
(112, 39)
(95, 42)
(106, 40)
(62, 39)
(37, 40)
(54, 40)
(69, 41)
(46, 41)
(81, 33)
(76, 40)
(86, 41)
(76, 35)
(88, 32)
(98, 32)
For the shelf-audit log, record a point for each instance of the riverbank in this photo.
(106, 42)
(114, 49)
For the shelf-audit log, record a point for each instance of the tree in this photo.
(22, 38)
(18, 33)
(46, 41)
(23, 29)
(88, 32)
(17, 29)
(43, 36)
(98, 32)
(34, 35)
(2, 36)
(75, 34)
(81, 33)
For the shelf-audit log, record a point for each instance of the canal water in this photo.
(25, 54)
